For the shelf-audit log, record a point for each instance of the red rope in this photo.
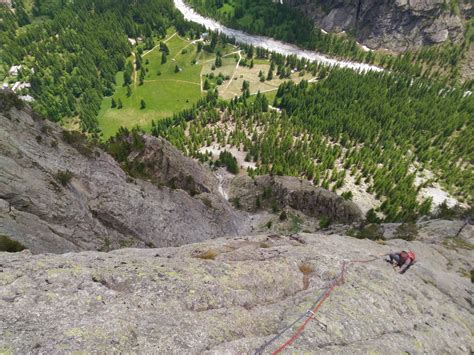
(315, 309)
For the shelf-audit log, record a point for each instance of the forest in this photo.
(71, 51)
(284, 22)
(376, 129)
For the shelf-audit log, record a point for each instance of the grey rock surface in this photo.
(170, 167)
(396, 25)
(298, 194)
(100, 207)
(173, 300)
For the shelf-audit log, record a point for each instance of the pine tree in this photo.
(119, 104)
(142, 104)
(114, 104)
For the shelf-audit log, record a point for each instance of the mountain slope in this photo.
(180, 299)
(60, 194)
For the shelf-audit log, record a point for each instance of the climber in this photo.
(403, 260)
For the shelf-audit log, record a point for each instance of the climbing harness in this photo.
(311, 313)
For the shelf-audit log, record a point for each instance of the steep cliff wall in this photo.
(393, 24)
(59, 194)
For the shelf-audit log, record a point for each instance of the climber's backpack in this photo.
(409, 254)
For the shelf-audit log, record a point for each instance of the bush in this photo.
(64, 177)
(371, 231)
(306, 268)
(283, 216)
(347, 195)
(296, 222)
(372, 217)
(407, 231)
(9, 245)
(208, 254)
(324, 222)
(80, 142)
(8, 100)
(449, 213)
(207, 202)
(236, 202)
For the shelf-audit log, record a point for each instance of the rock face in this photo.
(231, 295)
(282, 191)
(397, 25)
(169, 166)
(58, 194)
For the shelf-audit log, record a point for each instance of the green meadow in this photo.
(164, 90)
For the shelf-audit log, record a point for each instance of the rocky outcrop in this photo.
(431, 231)
(284, 191)
(168, 166)
(231, 295)
(58, 194)
(397, 25)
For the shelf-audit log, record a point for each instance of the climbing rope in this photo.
(311, 313)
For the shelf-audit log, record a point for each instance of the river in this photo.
(266, 42)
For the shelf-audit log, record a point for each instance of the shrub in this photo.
(208, 254)
(296, 222)
(64, 177)
(207, 202)
(9, 245)
(347, 195)
(450, 213)
(457, 243)
(236, 202)
(407, 231)
(78, 141)
(283, 216)
(371, 231)
(8, 100)
(324, 222)
(372, 217)
(306, 268)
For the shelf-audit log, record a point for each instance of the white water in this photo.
(266, 42)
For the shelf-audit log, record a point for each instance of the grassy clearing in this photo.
(164, 90)
(251, 75)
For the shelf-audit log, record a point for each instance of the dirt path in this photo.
(166, 40)
(134, 74)
(236, 67)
